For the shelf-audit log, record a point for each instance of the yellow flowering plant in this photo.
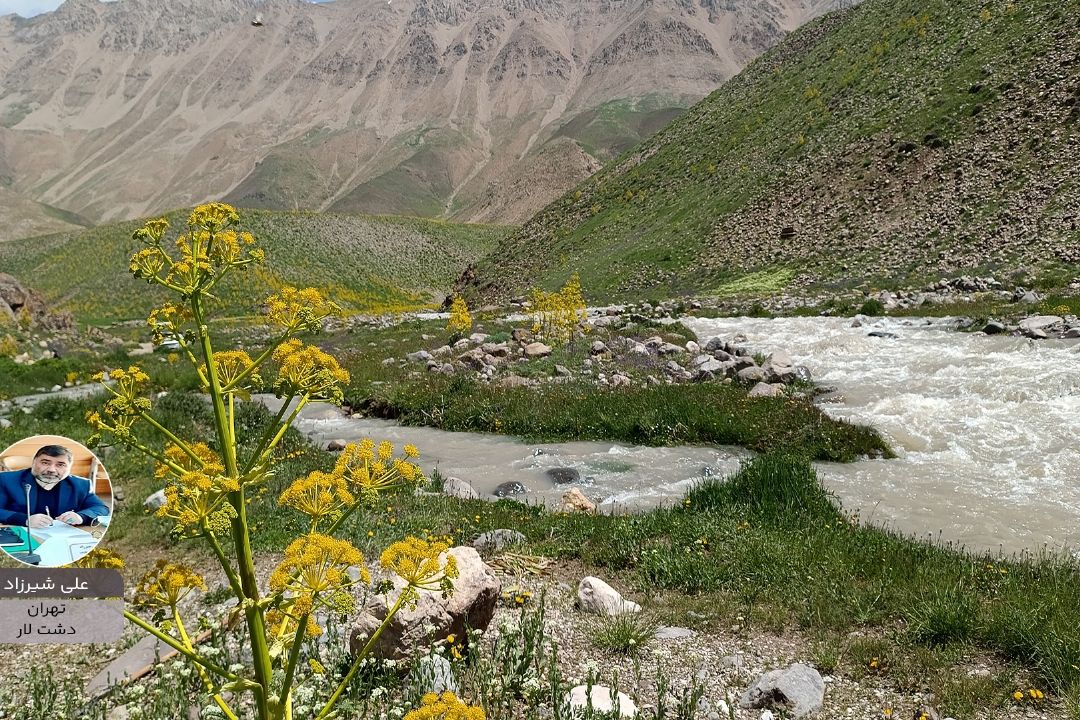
(208, 486)
(460, 319)
(557, 315)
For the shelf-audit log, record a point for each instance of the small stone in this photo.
(498, 539)
(335, 445)
(154, 501)
(5, 423)
(673, 633)
(598, 348)
(456, 487)
(419, 356)
(752, 374)
(994, 327)
(507, 489)
(601, 700)
(562, 371)
(478, 338)
(763, 389)
(596, 596)
(537, 350)
(797, 689)
(563, 476)
(575, 501)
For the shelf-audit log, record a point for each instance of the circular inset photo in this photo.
(55, 500)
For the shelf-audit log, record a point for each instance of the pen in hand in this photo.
(48, 515)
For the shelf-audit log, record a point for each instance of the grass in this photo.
(714, 414)
(406, 263)
(626, 633)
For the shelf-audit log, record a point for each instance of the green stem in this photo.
(290, 668)
(263, 356)
(241, 538)
(178, 646)
(234, 581)
(261, 446)
(363, 653)
(220, 701)
(172, 437)
(280, 432)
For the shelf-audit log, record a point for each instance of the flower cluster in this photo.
(231, 366)
(166, 584)
(444, 707)
(370, 470)
(318, 495)
(1033, 695)
(100, 558)
(196, 493)
(126, 404)
(167, 320)
(213, 216)
(307, 370)
(557, 315)
(315, 571)
(460, 320)
(422, 564)
(295, 309)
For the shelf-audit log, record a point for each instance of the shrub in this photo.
(872, 307)
(460, 320)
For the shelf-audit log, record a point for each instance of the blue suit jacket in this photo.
(75, 494)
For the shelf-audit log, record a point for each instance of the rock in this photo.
(692, 347)
(673, 633)
(521, 335)
(5, 423)
(498, 350)
(153, 502)
(472, 605)
(495, 540)
(1071, 333)
(600, 699)
(715, 344)
(767, 715)
(514, 381)
(478, 338)
(779, 359)
(419, 356)
(562, 371)
(335, 445)
(510, 488)
(636, 348)
(118, 492)
(1029, 298)
(145, 348)
(120, 712)
(537, 350)
(596, 596)
(575, 501)
(763, 389)
(563, 476)
(598, 348)
(433, 674)
(456, 487)
(669, 349)
(752, 374)
(883, 334)
(993, 327)
(798, 689)
(620, 380)
(1040, 322)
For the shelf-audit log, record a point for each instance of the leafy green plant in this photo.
(624, 633)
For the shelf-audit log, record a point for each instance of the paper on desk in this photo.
(60, 529)
(57, 551)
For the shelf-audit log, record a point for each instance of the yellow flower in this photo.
(213, 216)
(231, 364)
(420, 563)
(166, 584)
(305, 369)
(99, 557)
(318, 495)
(368, 476)
(460, 320)
(444, 707)
(295, 309)
(315, 570)
(152, 231)
(1018, 696)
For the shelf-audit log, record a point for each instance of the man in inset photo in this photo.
(55, 494)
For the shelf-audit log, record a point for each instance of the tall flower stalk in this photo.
(210, 485)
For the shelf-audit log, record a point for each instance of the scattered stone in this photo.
(669, 349)
(433, 674)
(118, 492)
(478, 338)
(751, 374)
(798, 690)
(5, 423)
(598, 348)
(994, 327)
(154, 501)
(335, 445)
(620, 380)
(596, 596)
(514, 381)
(764, 389)
(575, 501)
(472, 605)
(537, 350)
(883, 334)
(1071, 333)
(563, 476)
(673, 633)
(495, 540)
(1040, 322)
(562, 371)
(456, 487)
(419, 356)
(600, 699)
(510, 488)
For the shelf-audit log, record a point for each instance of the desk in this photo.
(68, 544)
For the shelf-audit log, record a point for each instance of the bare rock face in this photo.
(19, 303)
(472, 604)
(527, 80)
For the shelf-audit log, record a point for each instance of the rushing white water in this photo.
(986, 428)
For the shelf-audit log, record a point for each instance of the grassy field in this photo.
(857, 134)
(365, 263)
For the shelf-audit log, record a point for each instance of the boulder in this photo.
(471, 605)
(419, 356)
(596, 596)
(562, 371)
(335, 445)
(882, 334)
(994, 327)
(798, 689)
(1040, 322)
(537, 350)
(598, 348)
(499, 350)
(495, 540)
(751, 374)
(620, 380)
(507, 489)
(563, 476)
(692, 347)
(602, 701)
(456, 487)
(575, 501)
(669, 349)
(154, 501)
(763, 389)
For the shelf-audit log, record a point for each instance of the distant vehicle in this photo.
(169, 344)
(257, 21)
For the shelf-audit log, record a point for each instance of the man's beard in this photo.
(48, 481)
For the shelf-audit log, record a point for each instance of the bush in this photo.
(872, 307)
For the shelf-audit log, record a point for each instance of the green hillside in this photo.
(365, 263)
(892, 142)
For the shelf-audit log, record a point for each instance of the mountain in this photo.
(21, 217)
(891, 142)
(464, 108)
(365, 264)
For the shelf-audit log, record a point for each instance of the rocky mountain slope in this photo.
(429, 107)
(21, 217)
(892, 142)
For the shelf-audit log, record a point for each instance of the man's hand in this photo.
(70, 517)
(40, 520)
